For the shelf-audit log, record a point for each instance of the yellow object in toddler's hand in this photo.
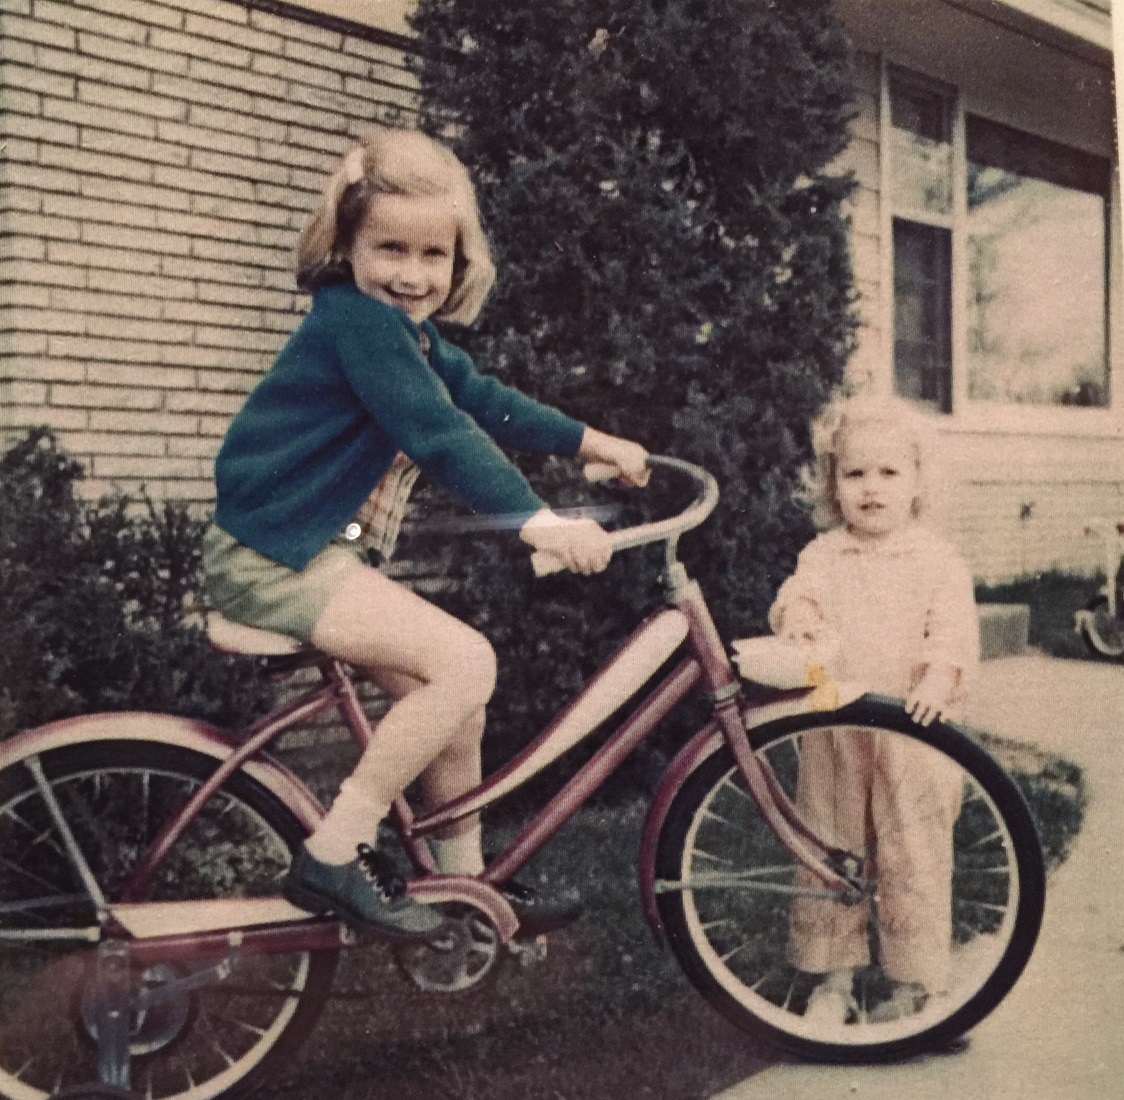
(825, 691)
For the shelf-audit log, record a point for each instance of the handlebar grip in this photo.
(545, 564)
(600, 471)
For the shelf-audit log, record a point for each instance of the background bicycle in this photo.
(1101, 622)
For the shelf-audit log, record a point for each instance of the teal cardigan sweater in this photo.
(348, 391)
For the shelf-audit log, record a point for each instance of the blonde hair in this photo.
(830, 428)
(397, 162)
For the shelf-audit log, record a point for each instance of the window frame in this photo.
(966, 413)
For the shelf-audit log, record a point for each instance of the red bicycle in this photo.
(144, 945)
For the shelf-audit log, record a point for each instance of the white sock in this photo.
(353, 820)
(459, 855)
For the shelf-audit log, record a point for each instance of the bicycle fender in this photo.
(163, 729)
(703, 745)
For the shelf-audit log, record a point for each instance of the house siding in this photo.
(160, 159)
(1020, 484)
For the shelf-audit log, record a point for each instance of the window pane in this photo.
(922, 313)
(921, 147)
(1037, 263)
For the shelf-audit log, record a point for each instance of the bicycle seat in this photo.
(252, 641)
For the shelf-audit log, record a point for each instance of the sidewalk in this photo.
(1059, 1035)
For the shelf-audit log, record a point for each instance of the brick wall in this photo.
(159, 159)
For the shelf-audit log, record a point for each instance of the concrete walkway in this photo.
(1059, 1035)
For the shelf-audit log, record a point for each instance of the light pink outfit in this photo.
(897, 605)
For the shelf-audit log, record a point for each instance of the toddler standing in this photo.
(365, 389)
(900, 602)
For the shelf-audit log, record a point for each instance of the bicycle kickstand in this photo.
(113, 1012)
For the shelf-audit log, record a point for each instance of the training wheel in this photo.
(456, 958)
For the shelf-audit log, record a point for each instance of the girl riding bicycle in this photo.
(899, 601)
(317, 464)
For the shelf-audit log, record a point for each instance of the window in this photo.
(1028, 219)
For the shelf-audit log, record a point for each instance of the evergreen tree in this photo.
(673, 266)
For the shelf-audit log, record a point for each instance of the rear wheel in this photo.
(221, 1037)
(768, 947)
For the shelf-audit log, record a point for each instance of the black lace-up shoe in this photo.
(367, 894)
(537, 913)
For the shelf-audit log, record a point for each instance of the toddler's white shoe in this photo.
(830, 1005)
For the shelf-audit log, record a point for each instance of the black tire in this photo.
(732, 938)
(223, 1039)
(1103, 632)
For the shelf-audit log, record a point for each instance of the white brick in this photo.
(210, 313)
(210, 49)
(213, 425)
(90, 68)
(115, 466)
(71, 15)
(377, 91)
(185, 355)
(193, 92)
(119, 260)
(105, 397)
(22, 248)
(221, 140)
(244, 295)
(294, 28)
(141, 103)
(20, 198)
(25, 343)
(19, 102)
(248, 37)
(142, 58)
(35, 30)
(287, 69)
(76, 164)
(131, 328)
(17, 7)
(38, 129)
(197, 226)
(116, 443)
(88, 347)
(240, 79)
(219, 9)
(242, 338)
(210, 402)
(228, 381)
(85, 115)
(38, 225)
(49, 179)
(95, 210)
(237, 253)
(21, 52)
(25, 393)
(157, 286)
(182, 447)
(47, 274)
(287, 111)
(143, 240)
(137, 194)
(36, 80)
(34, 321)
(203, 182)
(237, 120)
(375, 51)
(242, 167)
(23, 294)
(162, 423)
(52, 370)
(59, 419)
(256, 213)
(242, 276)
(140, 10)
(125, 374)
(20, 151)
(313, 138)
(105, 141)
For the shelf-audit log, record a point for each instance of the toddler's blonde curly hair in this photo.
(845, 413)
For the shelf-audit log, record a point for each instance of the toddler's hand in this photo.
(581, 545)
(629, 458)
(802, 621)
(932, 693)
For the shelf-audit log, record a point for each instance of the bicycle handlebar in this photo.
(664, 530)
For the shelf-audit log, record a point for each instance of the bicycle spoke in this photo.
(74, 853)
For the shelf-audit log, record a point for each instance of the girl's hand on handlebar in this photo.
(629, 459)
(581, 545)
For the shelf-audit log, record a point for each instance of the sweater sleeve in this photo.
(952, 626)
(811, 581)
(509, 416)
(382, 362)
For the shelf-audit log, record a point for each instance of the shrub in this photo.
(673, 266)
(92, 599)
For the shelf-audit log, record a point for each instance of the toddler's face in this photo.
(403, 253)
(875, 480)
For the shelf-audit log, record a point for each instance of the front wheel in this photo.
(955, 899)
(1102, 630)
(208, 1039)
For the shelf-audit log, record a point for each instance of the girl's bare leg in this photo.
(443, 673)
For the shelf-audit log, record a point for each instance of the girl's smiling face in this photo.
(876, 480)
(403, 253)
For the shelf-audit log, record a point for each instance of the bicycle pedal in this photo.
(528, 952)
